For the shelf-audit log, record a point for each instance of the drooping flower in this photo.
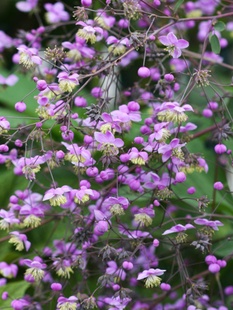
(36, 268)
(174, 45)
(20, 241)
(178, 228)
(108, 143)
(204, 222)
(28, 57)
(89, 33)
(26, 6)
(68, 82)
(56, 195)
(55, 13)
(67, 303)
(151, 276)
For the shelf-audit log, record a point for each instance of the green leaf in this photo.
(215, 45)
(220, 26)
(178, 4)
(15, 290)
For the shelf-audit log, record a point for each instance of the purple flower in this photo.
(67, 82)
(26, 6)
(56, 195)
(55, 13)
(178, 228)
(116, 205)
(167, 151)
(174, 45)
(8, 271)
(108, 143)
(151, 276)
(9, 81)
(205, 222)
(114, 270)
(20, 241)
(7, 219)
(28, 57)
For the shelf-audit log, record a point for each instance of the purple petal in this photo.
(182, 43)
(176, 53)
(164, 40)
(172, 38)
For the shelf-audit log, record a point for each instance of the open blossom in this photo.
(173, 112)
(68, 82)
(55, 13)
(67, 303)
(11, 80)
(28, 57)
(137, 157)
(20, 241)
(178, 228)
(56, 195)
(89, 33)
(151, 276)
(78, 49)
(174, 45)
(36, 268)
(108, 143)
(205, 222)
(116, 205)
(26, 6)
(116, 46)
(8, 271)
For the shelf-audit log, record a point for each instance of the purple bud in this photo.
(4, 148)
(86, 3)
(116, 287)
(88, 139)
(222, 263)
(123, 23)
(127, 265)
(169, 77)
(191, 190)
(212, 105)
(60, 154)
(220, 148)
(80, 102)
(41, 85)
(207, 113)
(20, 106)
(155, 243)
(92, 171)
(133, 106)
(56, 286)
(228, 290)
(176, 87)
(144, 72)
(218, 186)
(63, 128)
(124, 158)
(96, 92)
(68, 135)
(18, 143)
(210, 259)
(39, 124)
(4, 295)
(180, 177)
(138, 140)
(165, 286)
(85, 183)
(214, 268)
(134, 185)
